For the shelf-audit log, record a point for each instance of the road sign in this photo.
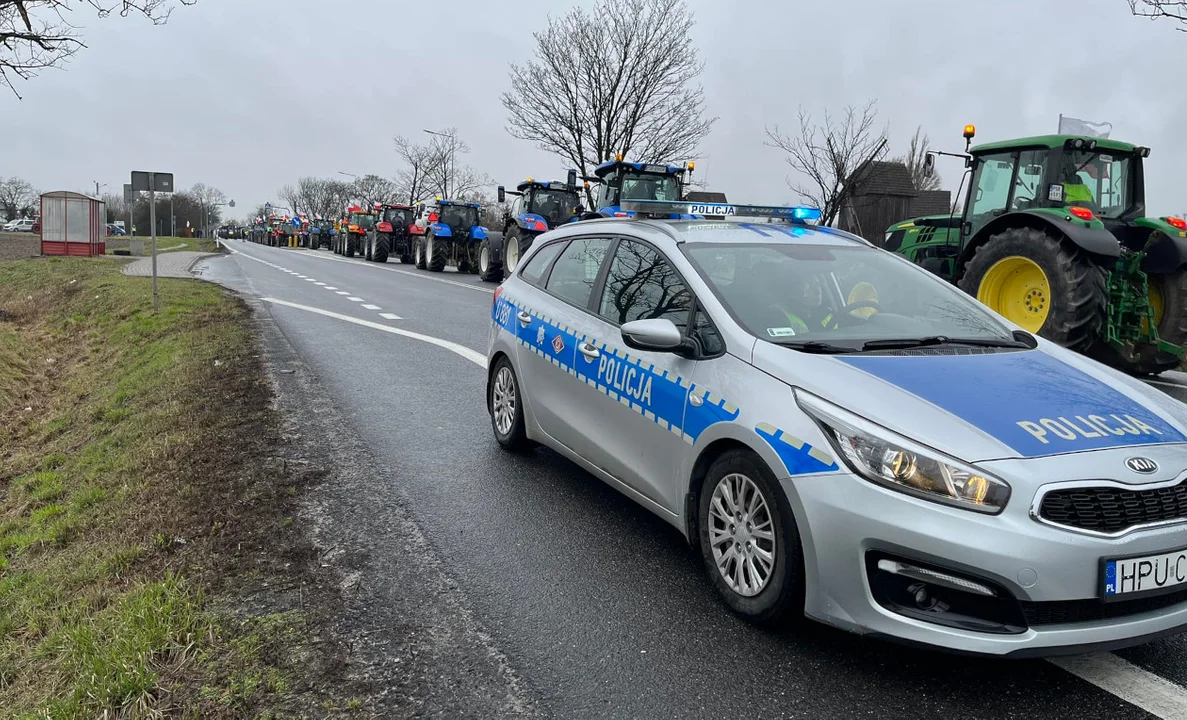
(129, 194)
(160, 182)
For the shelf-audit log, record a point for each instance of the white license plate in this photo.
(1127, 578)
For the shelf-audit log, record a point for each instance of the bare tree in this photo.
(289, 194)
(40, 34)
(371, 189)
(418, 163)
(830, 154)
(619, 78)
(1160, 9)
(324, 198)
(209, 199)
(915, 160)
(17, 198)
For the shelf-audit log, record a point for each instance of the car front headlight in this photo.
(893, 461)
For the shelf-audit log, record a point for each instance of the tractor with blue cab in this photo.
(450, 235)
(539, 206)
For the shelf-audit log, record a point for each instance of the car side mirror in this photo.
(657, 335)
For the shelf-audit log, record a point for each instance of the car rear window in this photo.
(534, 270)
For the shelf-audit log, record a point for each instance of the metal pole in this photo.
(152, 199)
(172, 218)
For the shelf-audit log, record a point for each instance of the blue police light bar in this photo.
(797, 214)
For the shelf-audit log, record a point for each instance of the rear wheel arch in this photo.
(1094, 242)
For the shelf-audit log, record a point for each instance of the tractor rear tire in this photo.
(419, 251)
(488, 270)
(1072, 292)
(1168, 295)
(437, 253)
(367, 247)
(351, 245)
(379, 252)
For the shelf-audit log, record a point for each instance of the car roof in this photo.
(679, 232)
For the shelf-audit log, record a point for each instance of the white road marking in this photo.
(402, 272)
(1158, 696)
(341, 292)
(313, 280)
(475, 357)
(390, 316)
(370, 307)
(355, 299)
(320, 284)
(330, 288)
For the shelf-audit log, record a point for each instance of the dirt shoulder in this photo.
(178, 536)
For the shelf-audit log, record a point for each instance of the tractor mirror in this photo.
(502, 194)
(1034, 169)
(572, 180)
(929, 165)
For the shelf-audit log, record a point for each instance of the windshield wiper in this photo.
(815, 346)
(904, 343)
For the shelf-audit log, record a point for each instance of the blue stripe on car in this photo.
(1032, 402)
(798, 457)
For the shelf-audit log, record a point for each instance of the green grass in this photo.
(100, 612)
(165, 244)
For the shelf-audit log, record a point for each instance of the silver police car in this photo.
(846, 436)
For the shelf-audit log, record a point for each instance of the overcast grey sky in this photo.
(248, 95)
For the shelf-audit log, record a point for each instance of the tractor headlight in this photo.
(893, 461)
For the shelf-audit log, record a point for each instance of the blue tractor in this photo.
(538, 208)
(619, 181)
(321, 234)
(452, 235)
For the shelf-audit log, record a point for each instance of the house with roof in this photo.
(881, 195)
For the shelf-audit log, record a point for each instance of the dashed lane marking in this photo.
(342, 292)
(354, 299)
(370, 307)
(329, 287)
(1115, 675)
(320, 284)
(390, 316)
(361, 263)
(475, 357)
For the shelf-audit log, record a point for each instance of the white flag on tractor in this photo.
(1087, 128)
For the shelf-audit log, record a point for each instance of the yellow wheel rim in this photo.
(1017, 289)
(1156, 302)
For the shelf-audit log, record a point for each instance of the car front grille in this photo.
(1074, 611)
(1112, 510)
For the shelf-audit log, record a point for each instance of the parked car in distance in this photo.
(21, 225)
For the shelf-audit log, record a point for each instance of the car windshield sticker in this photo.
(781, 332)
(1030, 401)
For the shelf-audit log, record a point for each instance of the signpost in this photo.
(153, 182)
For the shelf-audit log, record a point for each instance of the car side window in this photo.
(705, 332)
(535, 269)
(641, 285)
(575, 272)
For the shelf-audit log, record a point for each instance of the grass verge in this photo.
(142, 516)
(167, 244)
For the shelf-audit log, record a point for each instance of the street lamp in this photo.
(356, 177)
(206, 216)
(452, 159)
(97, 186)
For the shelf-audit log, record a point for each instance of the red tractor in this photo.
(395, 233)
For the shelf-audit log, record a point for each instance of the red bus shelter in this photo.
(73, 224)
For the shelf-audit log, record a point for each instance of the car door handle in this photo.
(589, 351)
(524, 318)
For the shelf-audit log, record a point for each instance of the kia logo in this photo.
(1141, 465)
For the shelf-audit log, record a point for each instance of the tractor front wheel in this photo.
(1040, 284)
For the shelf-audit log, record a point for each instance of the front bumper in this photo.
(1047, 577)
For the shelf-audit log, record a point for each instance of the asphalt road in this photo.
(601, 609)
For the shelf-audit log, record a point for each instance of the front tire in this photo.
(1040, 284)
(749, 540)
(437, 253)
(506, 407)
(488, 270)
(419, 253)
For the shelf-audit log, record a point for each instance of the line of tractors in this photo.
(1051, 233)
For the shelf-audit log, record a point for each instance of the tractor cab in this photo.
(540, 206)
(394, 218)
(619, 181)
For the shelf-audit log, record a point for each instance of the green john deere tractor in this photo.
(1054, 237)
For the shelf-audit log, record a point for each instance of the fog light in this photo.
(936, 578)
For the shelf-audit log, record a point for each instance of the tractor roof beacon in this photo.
(1054, 237)
(620, 181)
(539, 206)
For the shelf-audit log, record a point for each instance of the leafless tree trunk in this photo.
(1160, 9)
(830, 154)
(39, 34)
(434, 169)
(617, 78)
(915, 159)
(289, 194)
(418, 159)
(371, 189)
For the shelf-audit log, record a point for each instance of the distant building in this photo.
(884, 195)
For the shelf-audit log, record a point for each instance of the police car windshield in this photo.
(459, 216)
(843, 296)
(557, 206)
